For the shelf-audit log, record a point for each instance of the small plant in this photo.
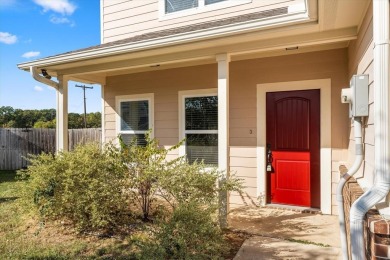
(191, 233)
(146, 166)
(176, 181)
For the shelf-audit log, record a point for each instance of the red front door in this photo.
(293, 138)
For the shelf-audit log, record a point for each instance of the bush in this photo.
(191, 233)
(176, 181)
(85, 186)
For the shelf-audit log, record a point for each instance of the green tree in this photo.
(6, 115)
(44, 118)
(45, 124)
(94, 120)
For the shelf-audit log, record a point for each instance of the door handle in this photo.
(269, 159)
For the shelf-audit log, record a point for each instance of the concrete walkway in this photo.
(286, 234)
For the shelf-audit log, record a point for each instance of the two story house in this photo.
(253, 85)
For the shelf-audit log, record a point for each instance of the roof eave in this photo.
(223, 31)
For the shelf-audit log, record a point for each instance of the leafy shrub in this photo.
(191, 233)
(176, 181)
(85, 186)
(185, 183)
(147, 165)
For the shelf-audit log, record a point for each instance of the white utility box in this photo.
(356, 95)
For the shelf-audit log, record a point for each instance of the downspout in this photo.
(35, 74)
(357, 123)
(382, 147)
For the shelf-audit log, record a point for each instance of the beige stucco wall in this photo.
(361, 62)
(125, 18)
(244, 77)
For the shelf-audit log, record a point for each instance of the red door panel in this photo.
(293, 135)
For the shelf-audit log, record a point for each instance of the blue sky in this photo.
(34, 29)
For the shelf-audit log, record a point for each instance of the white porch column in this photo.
(62, 114)
(223, 129)
(103, 85)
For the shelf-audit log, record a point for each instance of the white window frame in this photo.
(202, 7)
(138, 97)
(182, 124)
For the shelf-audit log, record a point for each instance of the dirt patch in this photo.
(235, 239)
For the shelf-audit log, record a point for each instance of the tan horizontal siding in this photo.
(358, 48)
(244, 132)
(237, 151)
(126, 5)
(124, 19)
(166, 123)
(241, 172)
(107, 3)
(243, 161)
(168, 141)
(122, 16)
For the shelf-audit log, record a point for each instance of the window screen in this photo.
(179, 5)
(202, 147)
(208, 2)
(139, 139)
(201, 129)
(201, 113)
(135, 115)
(134, 121)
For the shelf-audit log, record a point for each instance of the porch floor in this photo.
(286, 234)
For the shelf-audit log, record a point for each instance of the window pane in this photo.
(201, 113)
(139, 139)
(207, 2)
(202, 147)
(135, 115)
(178, 5)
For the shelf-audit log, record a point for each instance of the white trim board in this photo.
(325, 128)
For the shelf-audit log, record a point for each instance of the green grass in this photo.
(23, 236)
(306, 242)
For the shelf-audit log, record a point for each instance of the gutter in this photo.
(382, 129)
(35, 74)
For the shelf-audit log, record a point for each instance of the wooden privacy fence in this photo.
(17, 143)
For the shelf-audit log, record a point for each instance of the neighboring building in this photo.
(233, 76)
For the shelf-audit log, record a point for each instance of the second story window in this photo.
(172, 6)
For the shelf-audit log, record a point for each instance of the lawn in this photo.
(20, 236)
(23, 236)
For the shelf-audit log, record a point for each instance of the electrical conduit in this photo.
(339, 195)
(382, 152)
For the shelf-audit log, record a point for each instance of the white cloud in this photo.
(38, 88)
(8, 38)
(63, 7)
(61, 20)
(55, 19)
(31, 54)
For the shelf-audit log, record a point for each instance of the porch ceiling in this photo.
(333, 25)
